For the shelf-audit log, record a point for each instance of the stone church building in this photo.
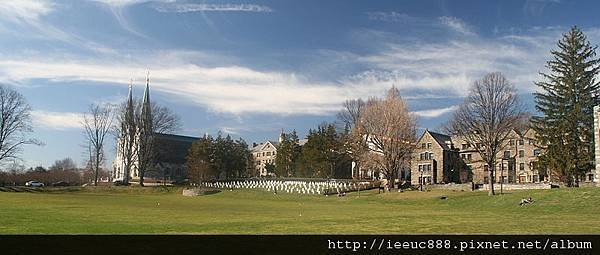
(170, 150)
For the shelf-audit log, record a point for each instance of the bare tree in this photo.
(392, 133)
(351, 113)
(97, 123)
(164, 120)
(489, 113)
(63, 164)
(355, 138)
(15, 124)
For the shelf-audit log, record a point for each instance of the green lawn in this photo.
(159, 211)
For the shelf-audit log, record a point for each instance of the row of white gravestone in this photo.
(300, 187)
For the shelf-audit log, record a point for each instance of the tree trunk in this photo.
(491, 179)
(142, 173)
(96, 166)
(391, 178)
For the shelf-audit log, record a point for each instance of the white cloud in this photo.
(450, 66)
(19, 11)
(418, 69)
(391, 16)
(118, 10)
(124, 3)
(24, 19)
(181, 8)
(432, 113)
(57, 120)
(231, 89)
(456, 24)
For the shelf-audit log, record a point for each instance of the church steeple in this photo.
(130, 94)
(146, 112)
(281, 136)
(127, 137)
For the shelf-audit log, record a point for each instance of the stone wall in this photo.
(451, 186)
(190, 192)
(511, 186)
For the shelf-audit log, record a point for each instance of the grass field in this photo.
(165, 211)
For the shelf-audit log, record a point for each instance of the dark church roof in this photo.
(173, 148)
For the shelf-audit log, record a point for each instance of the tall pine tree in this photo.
(566, 99)
(288, 152)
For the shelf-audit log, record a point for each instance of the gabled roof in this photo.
(530, 133)
(261, 146)
(441, 139)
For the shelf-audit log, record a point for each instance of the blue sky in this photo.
(251, 68)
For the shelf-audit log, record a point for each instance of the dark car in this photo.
(61, 184)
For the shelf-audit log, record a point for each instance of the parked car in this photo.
(120, 183)
(61, 184)
(34, 184)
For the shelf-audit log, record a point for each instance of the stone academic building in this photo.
(440, 158)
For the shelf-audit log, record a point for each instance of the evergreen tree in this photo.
(219, 158)
(312, 161)
(288, 152)
(324, 155)
(199, 160)
(567, 97)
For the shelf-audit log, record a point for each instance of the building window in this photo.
(521, 153)
(423, 146)
(511, 142)
(506, 154)
(465, 146)
(426, 156)
(536, 152)
(521, 142)
(420, 168)
(522, 166)
(486, 168)
(428, 145)
(469, 157)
